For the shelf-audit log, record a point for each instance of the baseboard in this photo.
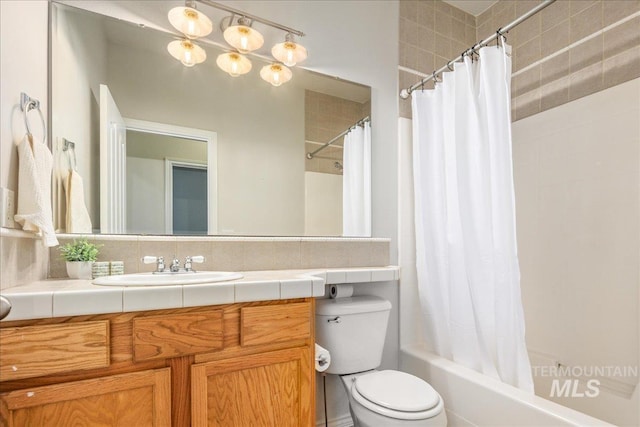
(344, 421)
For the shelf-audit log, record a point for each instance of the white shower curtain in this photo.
(467, 263)
(356, 182)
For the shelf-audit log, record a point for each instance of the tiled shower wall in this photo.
(548, 70)
(431, 33)
(326, 117)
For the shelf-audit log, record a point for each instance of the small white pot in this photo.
(79, 269)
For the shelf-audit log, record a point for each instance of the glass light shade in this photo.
(243, 38)
(187, 52)
(190, 22)
(289, 53)
(234, 63)
(276, 74)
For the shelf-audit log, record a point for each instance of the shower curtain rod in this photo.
(404, 93)
(360, 122)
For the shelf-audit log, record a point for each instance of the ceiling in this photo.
(474, 7)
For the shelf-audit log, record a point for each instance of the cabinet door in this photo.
(134, 399)
(268, 389)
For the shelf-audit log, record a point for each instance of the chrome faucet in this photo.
(175, 264)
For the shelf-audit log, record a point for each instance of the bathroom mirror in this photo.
(251, 138)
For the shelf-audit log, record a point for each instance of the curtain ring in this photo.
(435, 77)
(449, 66)
(474, 54)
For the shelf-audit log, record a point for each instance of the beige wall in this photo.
(21, 72)
(322, 204)
(22, 260)
(577, 180)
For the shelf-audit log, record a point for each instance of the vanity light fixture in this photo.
(234, 63)
(187, 52)
(239, 33)
(242, 36)
(276, 74)
(189, 21)
(289, 52)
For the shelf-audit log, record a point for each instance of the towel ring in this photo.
(27, 104)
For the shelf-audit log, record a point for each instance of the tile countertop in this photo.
(65, 297)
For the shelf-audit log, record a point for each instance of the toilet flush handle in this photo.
(337, 319)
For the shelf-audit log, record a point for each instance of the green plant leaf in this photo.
(79, 250)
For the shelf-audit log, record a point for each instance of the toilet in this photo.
(353, 331)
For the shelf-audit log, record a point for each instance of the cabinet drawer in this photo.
(33, 351)
(275, 323)
(166, 336)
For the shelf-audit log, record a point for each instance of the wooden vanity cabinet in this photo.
(133, 399)
(228, 365)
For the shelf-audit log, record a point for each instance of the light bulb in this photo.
(244, 40)
(187, 59)
(192, 28)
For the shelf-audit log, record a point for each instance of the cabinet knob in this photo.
(5, 307)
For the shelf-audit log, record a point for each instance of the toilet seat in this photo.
(397, 395)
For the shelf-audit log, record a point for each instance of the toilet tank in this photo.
(353, 330)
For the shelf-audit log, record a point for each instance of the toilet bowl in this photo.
(353, 331)
(393, 399)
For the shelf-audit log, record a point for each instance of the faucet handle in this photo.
(158, 260)
(191, 259)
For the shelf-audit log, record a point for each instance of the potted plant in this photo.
(80, 256)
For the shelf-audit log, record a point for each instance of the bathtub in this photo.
(473, 399)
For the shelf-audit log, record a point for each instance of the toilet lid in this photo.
(397, 391)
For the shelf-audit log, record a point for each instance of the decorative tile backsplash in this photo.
(23, 258)
(235, 254)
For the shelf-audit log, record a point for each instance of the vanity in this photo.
(230, 353)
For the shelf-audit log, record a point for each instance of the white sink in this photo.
(163, 279)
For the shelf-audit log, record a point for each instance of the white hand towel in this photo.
(34, 189)
(78, 220)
